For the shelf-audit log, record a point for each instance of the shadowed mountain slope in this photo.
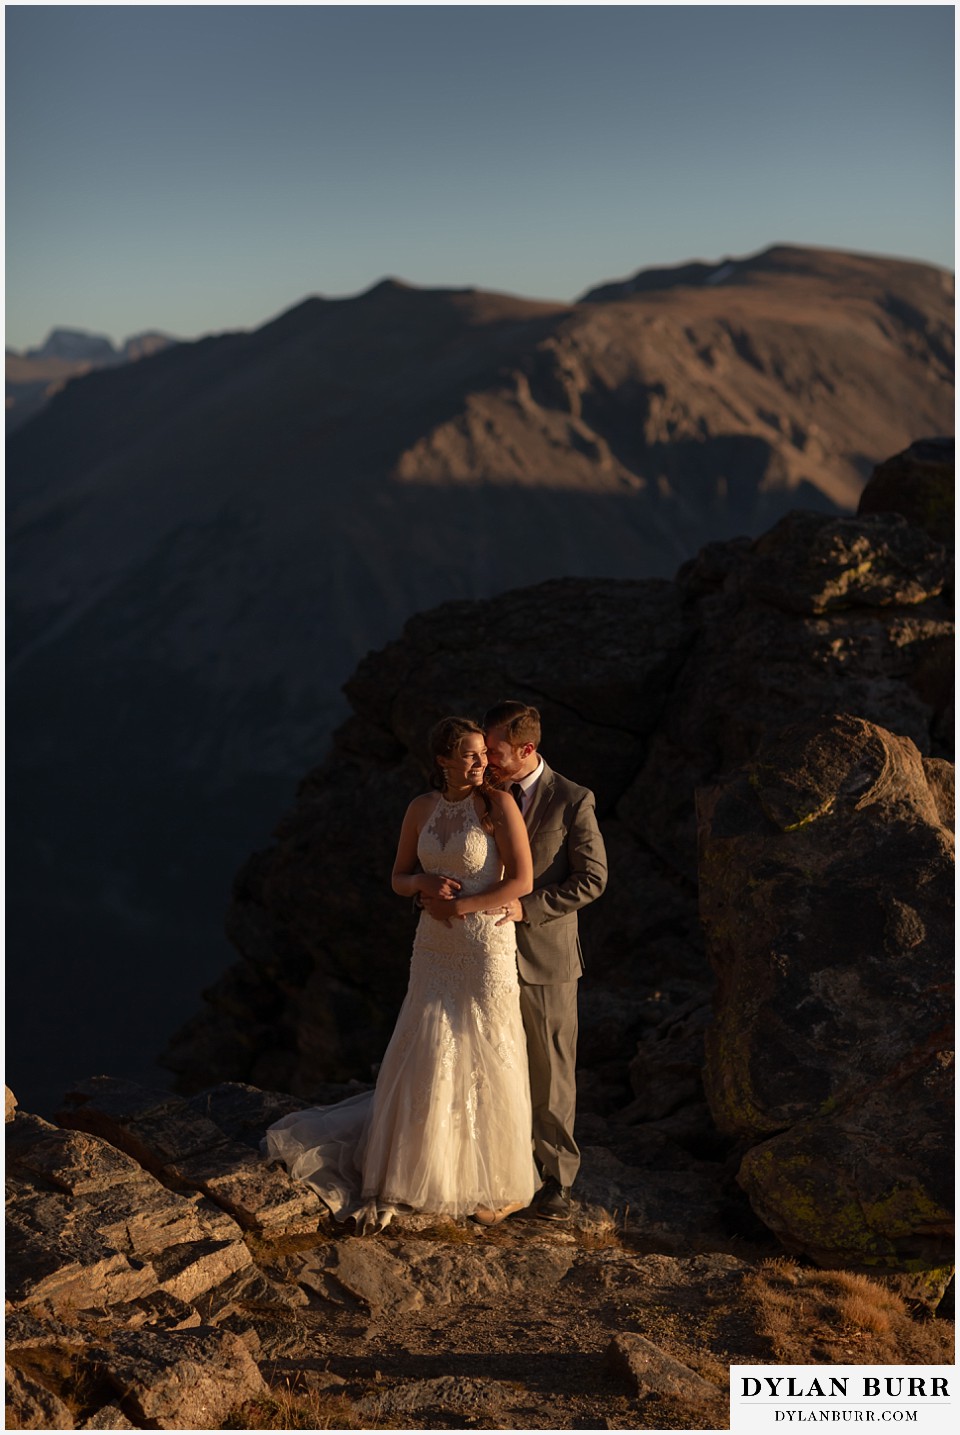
(204, 543)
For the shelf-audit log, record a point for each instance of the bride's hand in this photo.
(441, 909)
(434, 884)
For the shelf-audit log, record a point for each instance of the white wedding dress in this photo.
(448, 1127)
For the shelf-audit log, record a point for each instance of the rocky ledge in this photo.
(161, 1276)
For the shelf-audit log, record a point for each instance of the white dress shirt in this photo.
(527, 785)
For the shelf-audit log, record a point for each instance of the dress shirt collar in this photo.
(529, 782)
(527, 785)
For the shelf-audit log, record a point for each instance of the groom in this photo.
(569, 871)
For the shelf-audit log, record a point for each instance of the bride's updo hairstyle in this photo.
(444, 740)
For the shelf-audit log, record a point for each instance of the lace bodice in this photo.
(454, 843)
(475, 949)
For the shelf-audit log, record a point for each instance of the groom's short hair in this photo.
(520, 723)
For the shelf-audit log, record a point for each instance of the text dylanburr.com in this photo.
(765, 1398)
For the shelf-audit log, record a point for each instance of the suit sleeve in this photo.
(587, 876)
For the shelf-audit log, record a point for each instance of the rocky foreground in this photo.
(160, 1276)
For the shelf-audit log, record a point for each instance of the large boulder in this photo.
(819, 615)
(826, 892)
(919, 483)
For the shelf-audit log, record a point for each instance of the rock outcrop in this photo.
(649, 1370)
(919, 484)
(122, 1271)
(827, 900)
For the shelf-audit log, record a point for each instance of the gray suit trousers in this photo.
(550, 1022)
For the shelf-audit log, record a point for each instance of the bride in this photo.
(448, 1127)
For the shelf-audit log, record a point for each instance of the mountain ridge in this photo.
(781, 259)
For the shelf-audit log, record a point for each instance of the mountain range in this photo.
(202, 544)
(33, 377)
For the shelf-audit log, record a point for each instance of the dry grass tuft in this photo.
(284, 1409)
(597, 1238)
(861, 1313)
(863, 1304)
(782, 1269)
(63, 1371)
(273, 1247)
(842, 1317)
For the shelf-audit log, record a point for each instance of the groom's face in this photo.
(506, 761)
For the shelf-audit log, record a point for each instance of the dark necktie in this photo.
(517, 791)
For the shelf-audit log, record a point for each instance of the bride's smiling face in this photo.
(465, 767)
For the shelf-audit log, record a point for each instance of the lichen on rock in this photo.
(826, 894)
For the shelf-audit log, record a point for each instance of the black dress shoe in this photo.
(555, 1203)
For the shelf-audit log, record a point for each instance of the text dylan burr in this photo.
(889, 1387)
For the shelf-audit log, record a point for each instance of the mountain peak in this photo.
(388, 285)
(74, 344)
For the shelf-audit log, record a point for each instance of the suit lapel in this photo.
(541, 800)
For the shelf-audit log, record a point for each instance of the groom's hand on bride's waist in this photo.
(507, 912)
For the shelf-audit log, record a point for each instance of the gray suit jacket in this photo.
(569, 871)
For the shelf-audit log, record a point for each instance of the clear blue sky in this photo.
(198, 168)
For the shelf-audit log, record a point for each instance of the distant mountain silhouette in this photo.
(202, 545)
(33, 377)
(76, 344)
